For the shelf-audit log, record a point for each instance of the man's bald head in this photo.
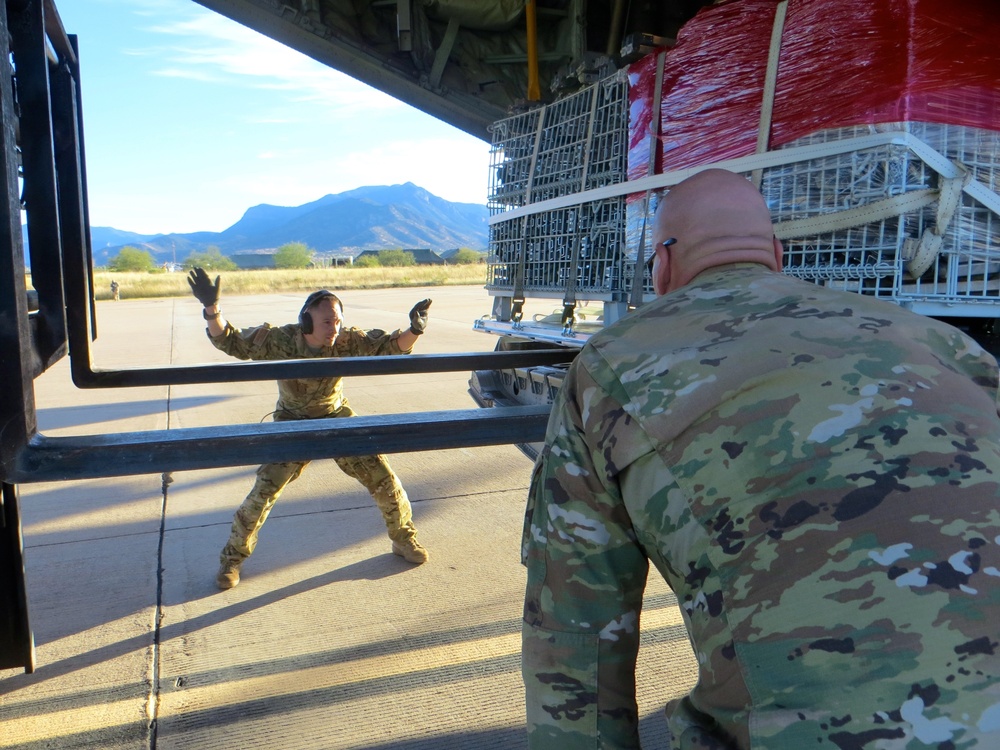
(717, 218)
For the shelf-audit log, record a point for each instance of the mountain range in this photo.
(367, 218)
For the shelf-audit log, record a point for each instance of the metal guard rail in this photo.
(85, 376)
(94, 456)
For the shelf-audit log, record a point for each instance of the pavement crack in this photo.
(153, 702)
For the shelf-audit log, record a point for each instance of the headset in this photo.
(305, 319)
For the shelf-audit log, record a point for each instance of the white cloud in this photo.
(210, 47)
(188, 74)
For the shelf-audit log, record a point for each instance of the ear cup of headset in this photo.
(306, 321)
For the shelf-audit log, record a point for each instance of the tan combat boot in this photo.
(229, 574)
(410, 550)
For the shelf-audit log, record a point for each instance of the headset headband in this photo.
(322, 294)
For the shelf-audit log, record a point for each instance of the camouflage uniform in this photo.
(815, 474)
(312, 398)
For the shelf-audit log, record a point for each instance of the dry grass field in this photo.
(136, 285)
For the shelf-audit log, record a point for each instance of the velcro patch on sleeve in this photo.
(261, 336)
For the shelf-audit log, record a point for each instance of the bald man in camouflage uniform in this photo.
(816, 474)
(319, 333)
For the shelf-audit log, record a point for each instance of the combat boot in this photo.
(410, 550)
(229, 574)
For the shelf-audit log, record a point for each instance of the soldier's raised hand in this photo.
(203, 288)
(418, 317)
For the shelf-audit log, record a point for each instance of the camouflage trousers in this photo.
(373, 472)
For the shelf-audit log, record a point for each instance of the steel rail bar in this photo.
(29, 45)
(84, 377)
(56, 33)
(50, 459)
(19, 362)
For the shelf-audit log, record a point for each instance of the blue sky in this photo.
(190, 119)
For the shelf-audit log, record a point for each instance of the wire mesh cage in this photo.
(575, 144)
(878, 257)
(861, 258)
(927, 254)
(586, 240)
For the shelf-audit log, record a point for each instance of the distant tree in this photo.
(366, 261)
(211, 260)
(293, 255)
(466, 255)
(132, 259)
(396, 258)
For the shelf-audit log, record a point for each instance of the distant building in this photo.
(330, 260)
(423, 256)
(252, 259)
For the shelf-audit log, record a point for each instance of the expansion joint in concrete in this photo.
(153, 700)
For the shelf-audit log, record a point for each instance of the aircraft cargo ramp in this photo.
(329, 641)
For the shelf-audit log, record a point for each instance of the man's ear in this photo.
(661, 272)
(779, 254)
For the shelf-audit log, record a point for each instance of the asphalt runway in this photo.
(330, 641)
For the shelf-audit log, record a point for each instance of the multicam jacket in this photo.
(312, 397)
(817, 476)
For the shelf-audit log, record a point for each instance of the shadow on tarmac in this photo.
(371, 569)
(63, 417)
(652, 730)
(73, 565)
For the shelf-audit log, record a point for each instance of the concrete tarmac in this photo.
(330, 641)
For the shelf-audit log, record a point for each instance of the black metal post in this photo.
(17, 645)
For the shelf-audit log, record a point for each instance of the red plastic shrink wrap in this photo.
(842, 63)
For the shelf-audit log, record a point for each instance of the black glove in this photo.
(203, 288)
(418, 317)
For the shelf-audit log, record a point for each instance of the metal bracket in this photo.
(517, 312)
(569, 319)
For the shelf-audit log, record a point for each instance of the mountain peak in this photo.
(375, 217)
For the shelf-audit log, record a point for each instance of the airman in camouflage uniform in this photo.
(318, 333)
(815, 473)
